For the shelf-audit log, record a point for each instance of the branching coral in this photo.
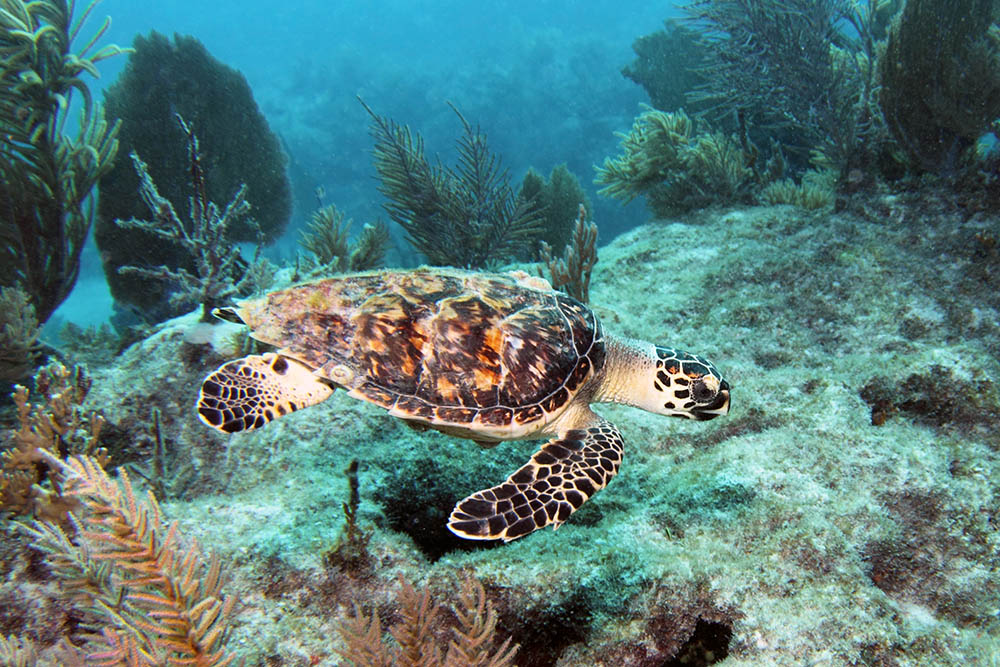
(54, 427)
(125, 569)
(164, 77)
(216, 259)
(18, 334)
(558, 199)
(668, 65)
(465, 217)
(941, 79)
(328, 239)
(571, 273)
(792, 70)
(46, 177)
(676, 169)
(94, 345)
(473, 644)
(814, 192)
(166, 472)
(351, 550)
(652, 150)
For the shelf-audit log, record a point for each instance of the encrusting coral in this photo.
(466, 217)
(216, 259)
(47, 177)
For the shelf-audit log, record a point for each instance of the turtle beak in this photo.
(227, 314)
(720, 406)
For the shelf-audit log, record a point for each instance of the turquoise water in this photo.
(819, 223)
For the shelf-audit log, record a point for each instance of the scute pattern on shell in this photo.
(443, 346)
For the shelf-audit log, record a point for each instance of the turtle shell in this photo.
(496, 355)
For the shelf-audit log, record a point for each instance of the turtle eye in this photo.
(701, 392)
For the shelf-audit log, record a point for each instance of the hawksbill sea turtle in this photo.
(489, 357)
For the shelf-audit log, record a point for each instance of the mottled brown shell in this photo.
(491, 353)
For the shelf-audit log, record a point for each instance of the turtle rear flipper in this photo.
(559, 478)
(248, 393)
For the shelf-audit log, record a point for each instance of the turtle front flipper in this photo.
(559, 478)
(248, 393)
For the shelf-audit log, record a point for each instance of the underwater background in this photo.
(804, 192)
(542, 79)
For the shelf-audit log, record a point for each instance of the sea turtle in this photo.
(488, 357)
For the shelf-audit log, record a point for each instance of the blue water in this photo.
(845, 512)
(543, 79)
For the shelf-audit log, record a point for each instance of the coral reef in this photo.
(30, 484)
(466, 217)
(571, 272)
(737, 540)
(18, 334)
(938, 101)
(327, 239)
(47, 177)
(205, 239)
(558, 198)
(418, 635)
(126, 570)
(815, 191)
(792, 72)
(675, 168)
(669, 66)
(164, 78)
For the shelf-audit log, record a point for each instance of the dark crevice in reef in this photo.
(418, 503)
(708, 644)
(544, 630)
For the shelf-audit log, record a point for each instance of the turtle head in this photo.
(251, 312)
(687, 385)
(663, 380)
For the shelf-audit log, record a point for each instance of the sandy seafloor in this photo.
(792, 532)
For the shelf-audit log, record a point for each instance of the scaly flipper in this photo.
(249, 392)
(559, 478)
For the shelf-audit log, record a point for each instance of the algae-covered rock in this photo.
(794, 532)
